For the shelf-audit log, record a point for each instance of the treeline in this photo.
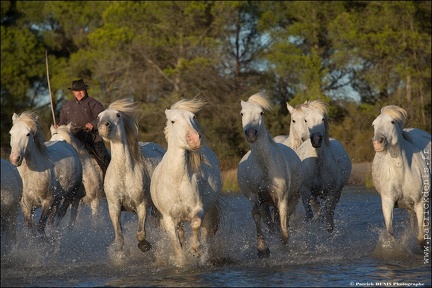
(356, 55)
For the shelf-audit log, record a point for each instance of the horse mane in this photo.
(194, 158)
(30, 119)
(193, 105)
(318, 104)
(127, 109)
(260, 100)
(400, 115)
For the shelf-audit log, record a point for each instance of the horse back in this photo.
(67, 165)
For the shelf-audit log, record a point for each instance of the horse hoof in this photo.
(144, 246)
(264, 253)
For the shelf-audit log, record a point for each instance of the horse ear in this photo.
(167, 112)
(290, 108)
(14, 117)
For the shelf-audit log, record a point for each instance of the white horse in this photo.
(92, 173)
(269, 174)
(51, 172)
(127, 179)
(186, 184)
(298, 131)
(11, 192)
(400, 169)
(326, 165)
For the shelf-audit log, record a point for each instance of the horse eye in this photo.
(28, 134)
(305, 121)
(262, 113)
(195, 117)
(393, 122)
(241, 114)
(293, 121)
(172, 122)
(323, 119)
(118, 115)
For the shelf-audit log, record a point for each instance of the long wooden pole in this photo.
(49, 87)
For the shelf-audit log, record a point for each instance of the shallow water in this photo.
(353, 255)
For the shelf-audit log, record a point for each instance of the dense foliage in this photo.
(357, 55)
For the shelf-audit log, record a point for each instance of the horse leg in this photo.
(387, 209)
(180, 233)
(306, 196)
(115, 213)
(283, 214)
(315, 206)
(196, 226)
(420, 225)
(329, 207)
(74, 212)
(28, 213)
(143, 244)
(47, 206)
(263, 250)
(170, 227)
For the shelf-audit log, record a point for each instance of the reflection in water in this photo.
(354, 252)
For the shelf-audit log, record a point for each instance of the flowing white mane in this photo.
(397, 113)
(400, 116)
(127, 109)
(261, 101)
(194, 105)
(318, 104)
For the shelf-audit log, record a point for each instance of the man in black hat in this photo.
(82, 112)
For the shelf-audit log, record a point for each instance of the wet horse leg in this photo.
(28, 213)
(329, 206)
(170, 227)
(420, 224)
(115, 213)
(306, 196)
(47, 206)
(387, 209)
(196, 226)
(143, 244)
(283, 214)
(263, 250)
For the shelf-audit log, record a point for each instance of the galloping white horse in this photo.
(269, 174)
(11, 192)
(127, 179)
(50, 171)
(400, 169)
(326, 165)
(186, 184)
(92, 173)
(298, 131)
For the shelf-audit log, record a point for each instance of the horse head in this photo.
(316, 121)
(181, 127)
(388, 127)
(182, 130)
(252, 116)
(25, 134)
(298, 128)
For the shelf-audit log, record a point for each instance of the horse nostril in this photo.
(107, 124)
(381, 140)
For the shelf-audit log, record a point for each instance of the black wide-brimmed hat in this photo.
(78, 85)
